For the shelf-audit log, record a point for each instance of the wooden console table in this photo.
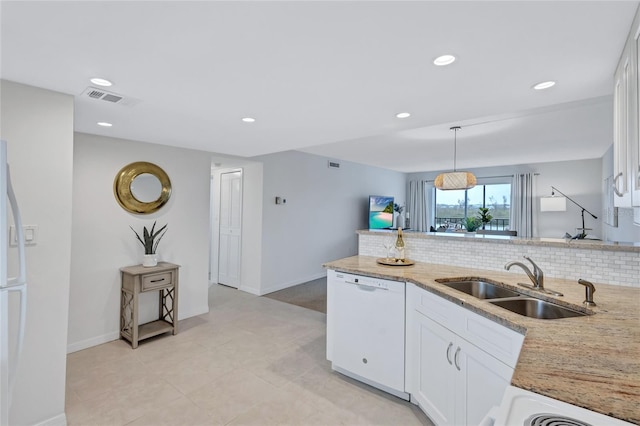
(139, 279)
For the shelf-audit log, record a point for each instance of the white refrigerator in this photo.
(13, 291)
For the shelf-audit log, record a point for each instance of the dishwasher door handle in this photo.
(365, 287)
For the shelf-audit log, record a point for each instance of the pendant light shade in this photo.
(455, 179)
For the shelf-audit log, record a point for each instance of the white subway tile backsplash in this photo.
(603, 266)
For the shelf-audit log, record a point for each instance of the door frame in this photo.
(214, 246)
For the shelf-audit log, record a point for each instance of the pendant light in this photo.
(455, 179)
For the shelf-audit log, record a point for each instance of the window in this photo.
(453, 207)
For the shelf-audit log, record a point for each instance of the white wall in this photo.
(626, 230)
(324, 208)
(38, 127)
(579, 179)
(102, 241)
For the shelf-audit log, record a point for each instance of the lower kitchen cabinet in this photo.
(454, 381)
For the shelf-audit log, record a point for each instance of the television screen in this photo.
(380, 212)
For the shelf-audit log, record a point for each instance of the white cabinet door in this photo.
(481, 383)
(622, 99)
(432, 373)
(454, 382)
(634, 139)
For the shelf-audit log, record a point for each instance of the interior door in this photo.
(230, 228)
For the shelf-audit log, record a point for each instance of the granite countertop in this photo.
(502, 239)
(591, 361)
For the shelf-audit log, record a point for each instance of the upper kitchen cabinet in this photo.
(635, 141)
(626, 141)
(621, 131)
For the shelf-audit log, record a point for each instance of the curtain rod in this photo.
(492, 177)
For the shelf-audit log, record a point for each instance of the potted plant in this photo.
(484, 216)
(471, 223)
(150, 242)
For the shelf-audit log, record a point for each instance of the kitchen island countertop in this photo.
(591, 361)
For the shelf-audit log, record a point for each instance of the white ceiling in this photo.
(329, 77)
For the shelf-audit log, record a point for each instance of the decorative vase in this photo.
(399, 221)
(150, 260)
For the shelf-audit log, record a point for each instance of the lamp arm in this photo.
(569, 198)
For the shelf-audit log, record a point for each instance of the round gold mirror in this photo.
(142, 187)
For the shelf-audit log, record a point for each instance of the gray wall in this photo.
(324, 208)
(580, 180)
(103, 242)
(38, 127)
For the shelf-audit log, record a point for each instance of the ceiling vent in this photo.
(103, 95)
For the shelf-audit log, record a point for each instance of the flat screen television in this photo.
(380, 212)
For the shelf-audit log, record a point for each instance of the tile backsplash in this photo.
(600, 266)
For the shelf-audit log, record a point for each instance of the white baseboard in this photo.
(94, 341)
(105, 338)
(251, 290)
(59, 420)
(282, 286)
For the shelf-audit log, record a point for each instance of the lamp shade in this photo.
(553, 204)
(455, 180)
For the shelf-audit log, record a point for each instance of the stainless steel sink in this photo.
(536, 308)
(479, 288)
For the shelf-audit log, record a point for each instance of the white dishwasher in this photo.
(365, 330)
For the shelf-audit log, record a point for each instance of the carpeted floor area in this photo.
(310, 295)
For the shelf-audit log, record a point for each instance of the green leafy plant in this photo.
(471, 223)
(398, 208)
(151, 238)
(484, 216)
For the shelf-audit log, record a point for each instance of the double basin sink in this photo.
(510, 299)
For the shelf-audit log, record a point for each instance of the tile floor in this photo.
(249, 361)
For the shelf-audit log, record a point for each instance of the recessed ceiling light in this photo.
(101, 82)
(403, 115)
(104, 124)
(544, 85)
(444, 60)
(249, 119)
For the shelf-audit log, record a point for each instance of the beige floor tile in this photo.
(249, 361)
(179, 412)
(335, 417)
(289, 366)
(106, 377)
(281, 409)
(231, 395)
(124, 405)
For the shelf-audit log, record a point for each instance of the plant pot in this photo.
(150, 260)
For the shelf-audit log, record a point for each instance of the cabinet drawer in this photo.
(500, 341)
(155, 281)
(436, 308)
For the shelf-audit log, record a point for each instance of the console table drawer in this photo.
(152, 282)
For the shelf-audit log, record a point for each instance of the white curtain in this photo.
(523, 205)
(417, 208)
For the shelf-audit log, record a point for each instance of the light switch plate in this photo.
(30, 235)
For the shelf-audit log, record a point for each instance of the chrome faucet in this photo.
(536, 277)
